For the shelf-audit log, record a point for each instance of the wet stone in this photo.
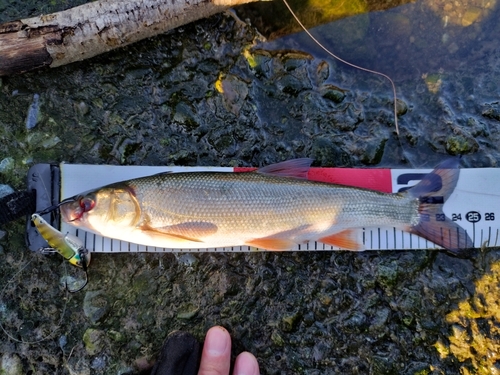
(185, 115)
(11, 365)
(356, 322)
(94, 340)
(4, 191)
(95, 306)
(373, 152)
(263, 65)
(401, 107)
(6, 164)
(277, 339)
(387, 275)
(234, 92)
(82, 108)
(325, 299)
(63, 340)
(419, 368)
(187, 312)
(309, 318)
(76, 366)
(290, 85)
(378, 322)
(332, 93)
(143, 284)
(492, 111)
(328, 154)
(289, 322)
(322, 71)
(33, 116)
(460, 145)
(116, 336)
(410, 300)
(319, 351)
(187, 259)
(98, 363)
(383, 365)
(292, 64)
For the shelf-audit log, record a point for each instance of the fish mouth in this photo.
(71, 212)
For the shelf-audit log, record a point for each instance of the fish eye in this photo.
(87, 204)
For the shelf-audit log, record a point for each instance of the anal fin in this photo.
(345, 239)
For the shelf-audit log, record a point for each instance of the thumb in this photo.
(216, 354)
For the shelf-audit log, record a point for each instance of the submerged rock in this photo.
(94, 340)
(6, 164)
(95, 306)
(4, 191)
(33, 112)
(10, 364)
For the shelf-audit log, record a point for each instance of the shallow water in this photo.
(195, 97)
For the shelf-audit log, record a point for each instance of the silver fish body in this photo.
(266, 209)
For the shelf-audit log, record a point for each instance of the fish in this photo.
(272, 208)
(69, 246)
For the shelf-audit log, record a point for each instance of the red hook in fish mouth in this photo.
(73, 210)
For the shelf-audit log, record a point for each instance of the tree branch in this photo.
(94, 28)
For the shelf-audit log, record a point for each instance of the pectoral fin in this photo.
(345, 239)
(189, 231)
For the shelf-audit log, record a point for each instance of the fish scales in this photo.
(237, 203)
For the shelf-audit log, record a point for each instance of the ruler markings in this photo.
(471, 206)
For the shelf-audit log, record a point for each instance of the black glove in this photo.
(180, 355)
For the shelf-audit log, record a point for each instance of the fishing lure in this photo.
(68, 245)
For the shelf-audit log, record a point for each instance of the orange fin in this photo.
(345, 239)
(270, 243)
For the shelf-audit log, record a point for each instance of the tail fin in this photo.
(432, 192)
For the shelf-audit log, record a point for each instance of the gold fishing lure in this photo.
(68, 245)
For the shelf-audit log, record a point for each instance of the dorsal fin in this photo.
(297, 168)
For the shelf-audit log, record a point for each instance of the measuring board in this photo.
(474, 204)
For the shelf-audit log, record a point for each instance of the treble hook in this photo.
(80, 259)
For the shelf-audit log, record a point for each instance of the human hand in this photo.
(216, 356)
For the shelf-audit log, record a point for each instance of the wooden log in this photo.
(94, 28)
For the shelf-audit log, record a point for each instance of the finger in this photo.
(246, 364)
(216, 354)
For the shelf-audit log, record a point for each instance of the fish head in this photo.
(112, 206)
